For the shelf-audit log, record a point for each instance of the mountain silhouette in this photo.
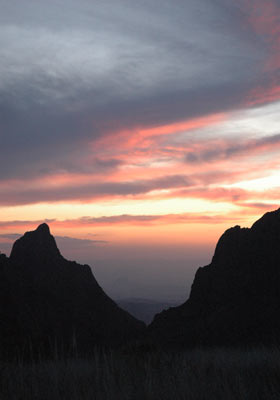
(49, 304)
(235, 300)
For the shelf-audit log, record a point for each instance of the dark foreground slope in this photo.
(50, 304)
(235, 299)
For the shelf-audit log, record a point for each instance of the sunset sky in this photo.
(139, 130)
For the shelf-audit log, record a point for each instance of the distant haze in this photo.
(125, 273)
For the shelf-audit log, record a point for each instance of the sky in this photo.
(139, 131)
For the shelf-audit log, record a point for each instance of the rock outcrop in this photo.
(49, 304)
(235, 300)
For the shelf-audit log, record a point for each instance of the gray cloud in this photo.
(261, 206)
(70, 76)
(226, 151)
(21, 195)
(73, 242)
(143, 219)
(10, 236)
(23, 223)
(63, 242)
(115, 219)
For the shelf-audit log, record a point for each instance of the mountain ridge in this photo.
(49, 302)
(235, 300)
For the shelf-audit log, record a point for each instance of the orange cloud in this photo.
(263, 95)
(145, 136)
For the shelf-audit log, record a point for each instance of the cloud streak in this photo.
(124, 219)
(91, 191)
(227, 151)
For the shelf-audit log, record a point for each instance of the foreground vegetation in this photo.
(192, 375)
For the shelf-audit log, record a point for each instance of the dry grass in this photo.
(192, 375)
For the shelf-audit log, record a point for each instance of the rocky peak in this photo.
(229, 245)
(46, 301)
(268, 223)
(43, 229)
(35, 246)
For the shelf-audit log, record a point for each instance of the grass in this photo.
(216, 374)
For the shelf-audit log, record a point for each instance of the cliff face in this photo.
(236, 298)
(48, 303)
